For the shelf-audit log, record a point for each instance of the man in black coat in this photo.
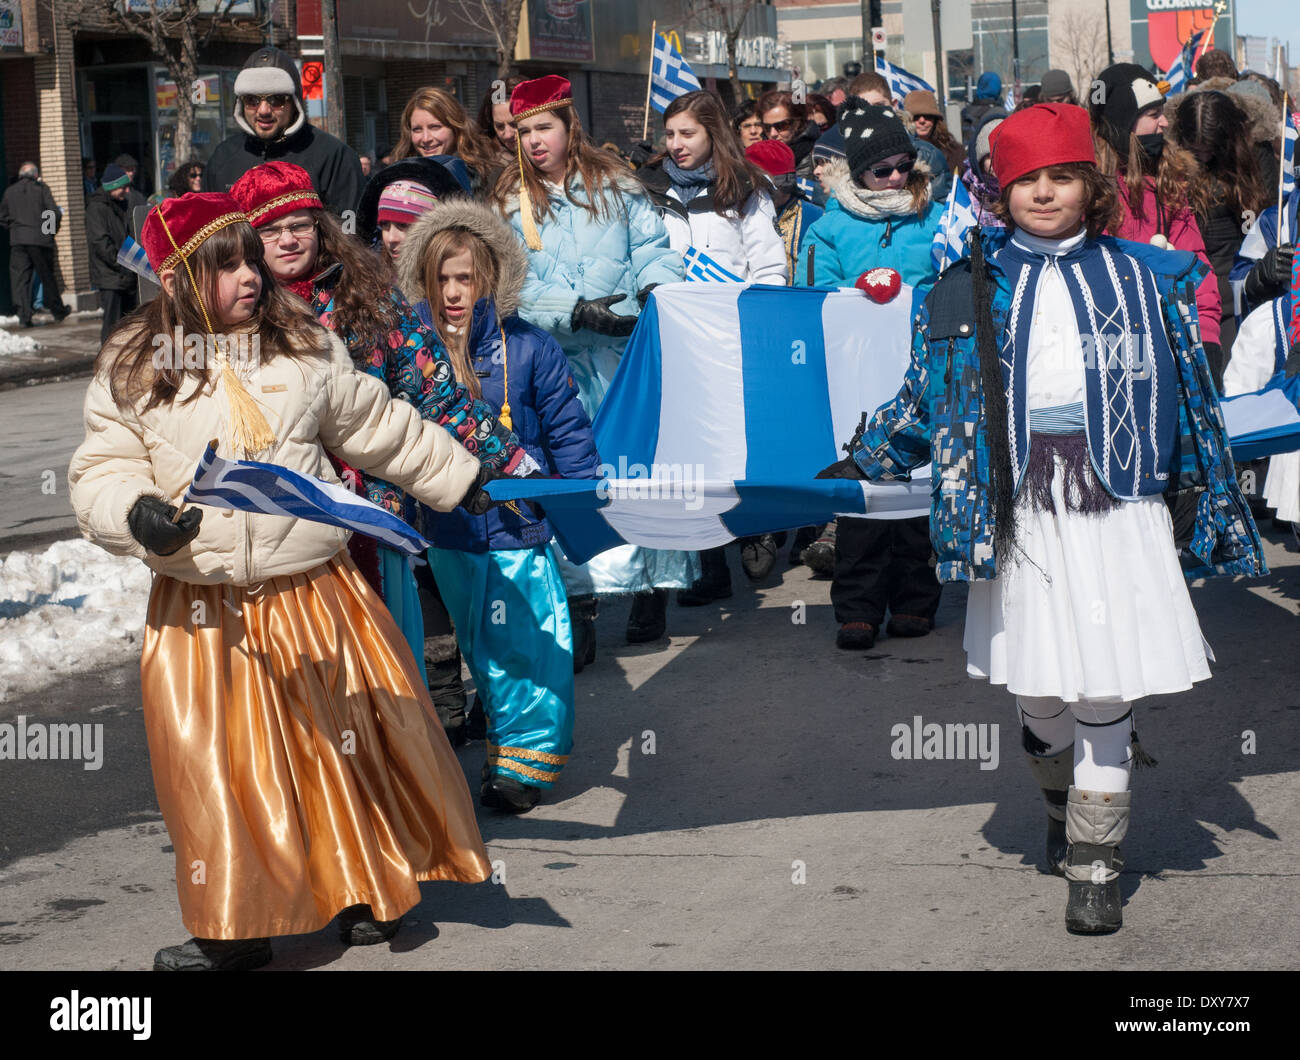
(107, 226)
(269, 110)
(29, 212)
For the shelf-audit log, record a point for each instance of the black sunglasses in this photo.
(277, 100)
(882, 172)
(779, 126)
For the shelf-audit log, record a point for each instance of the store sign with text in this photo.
(11, 25)
(1162, 27)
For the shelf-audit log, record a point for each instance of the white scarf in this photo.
(872, 205)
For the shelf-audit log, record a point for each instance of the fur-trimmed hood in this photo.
(1265, 119)
(852, 196)
(460, 212)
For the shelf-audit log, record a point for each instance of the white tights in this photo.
(1099, 730)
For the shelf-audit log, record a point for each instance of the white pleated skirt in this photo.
(1096, 607)
(1282, 486)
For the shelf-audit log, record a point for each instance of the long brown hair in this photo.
(444, 244)
(737, 177)
(282, 324)
(1175, 176)
(467, 144)
(487, 127)
(364, 313)
(1101, 209)
(601, 172)
(1209, 126)
(943, 139)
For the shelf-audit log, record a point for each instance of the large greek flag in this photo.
(268, 489)
(949, 243)
(670, 76)
(1181, 71)
(728, 401)
(900, 81)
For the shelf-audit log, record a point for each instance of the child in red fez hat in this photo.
(596, 249)
(298, 761)
(354, 292)
(1059, 388)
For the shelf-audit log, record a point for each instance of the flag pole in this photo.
(1209, 33)
(649, 81)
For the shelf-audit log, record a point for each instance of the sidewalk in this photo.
(65, 351)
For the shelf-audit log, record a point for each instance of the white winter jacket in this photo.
(745, 243)
(312, 403)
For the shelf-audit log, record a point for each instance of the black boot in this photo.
(1095, 823)
(476, 723)
(582, 618)
(1053, 774)
(506, 793)
(213, 955)
(446, 686)
(714, 582)
(648, 619)
(358, 927)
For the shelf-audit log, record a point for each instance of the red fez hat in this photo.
(771, 156)
(272, 190)
(175, 227)
(542, 93)
(1046, 134)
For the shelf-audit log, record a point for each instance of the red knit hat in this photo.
(542, 93)
(175, 227)
(771, 156)
(1046, 134)
(274, 189)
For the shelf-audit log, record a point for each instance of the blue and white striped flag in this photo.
(900, 81)
(949, 242)
(268, 489)
(131, 256)
(1180, 72)
(670, 76)
(1289, 136)
(728, 401)
(699, 266)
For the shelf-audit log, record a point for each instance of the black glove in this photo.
(845, 468)
(1271, 275)
(476, 500)
(644, 293)
(640, 153)
(596, 315)
(150, 523)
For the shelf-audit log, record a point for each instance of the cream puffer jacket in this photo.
(312, 403)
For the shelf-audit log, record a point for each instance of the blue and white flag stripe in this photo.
(900, 81)
(268, 489)
(949, 242)
(131, 256)
(1180, 71)
(699, 266)
(670, 75)
(1289, 136)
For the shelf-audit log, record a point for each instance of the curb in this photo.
(35, 374)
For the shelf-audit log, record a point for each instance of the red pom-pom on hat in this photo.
(175, 227)
(771, 156)
(541, 93)
(1046, 134)
(274, 189)
(880, 285)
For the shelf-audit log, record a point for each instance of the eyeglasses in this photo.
(276, 101)
(883, 172)
(299, 230)
(779, 126)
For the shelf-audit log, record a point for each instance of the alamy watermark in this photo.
(181, 351)
(37, 741)
(950, 742)
(653, 482)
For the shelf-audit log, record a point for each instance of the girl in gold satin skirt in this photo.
(300, 768)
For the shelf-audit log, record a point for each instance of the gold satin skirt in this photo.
(298, 761)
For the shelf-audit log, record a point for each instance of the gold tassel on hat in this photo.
(249, 430)
(526, 221)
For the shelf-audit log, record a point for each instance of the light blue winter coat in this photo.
(583, 256)
(845, 243)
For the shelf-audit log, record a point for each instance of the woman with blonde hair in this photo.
(434, 123)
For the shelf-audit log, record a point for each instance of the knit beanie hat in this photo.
(1055, 83)
(114, 177)
(989, 86)
(830, 145)
(982, 147)
(772, 157)
(872, 134)
(1126, 91)
(403, 201)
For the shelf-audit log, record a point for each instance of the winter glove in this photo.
(596, 315)
(644, 293)
(1271, 275)
(640, 153)
(150, 523)
(476, 500)
(845, 468)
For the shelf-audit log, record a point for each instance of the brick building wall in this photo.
(22, 135)
(60, 148)
(617, 108)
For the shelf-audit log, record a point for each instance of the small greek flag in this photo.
(268, 489)
(699, 266)
(1289, 135)
(131, 256)
(1180, 73)
(900, 81)
(670, 76)
(949, 242)
(807, 187)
